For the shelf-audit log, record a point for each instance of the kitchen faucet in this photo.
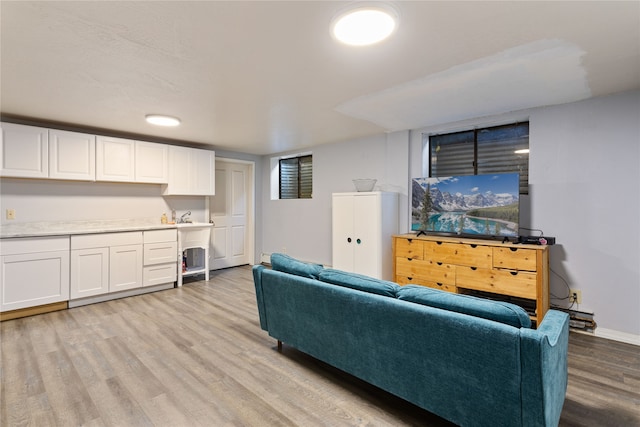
(182, 220)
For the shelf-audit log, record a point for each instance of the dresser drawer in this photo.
(409, 248)
(459, 254)
(515, 258)
(516, 283)
(426, 270)
(427, 283)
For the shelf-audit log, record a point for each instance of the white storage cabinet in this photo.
(24, 151)
(33, 272)
(72, 155)
(362, 226)
(115, 159)
(191, 172)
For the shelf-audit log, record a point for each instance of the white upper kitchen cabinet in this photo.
(362, 226)
(115, 159)
(24, 151)
(191, 172)
(151, 162)
(72, 155)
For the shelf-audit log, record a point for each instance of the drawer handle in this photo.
(439, 263)
(473, 268)
(409, 278)
(349, 239)
(438, 243)
(473, 246)
(409, 259)
(439, 284)
(514, 273)
(409, 240)
(513, 249)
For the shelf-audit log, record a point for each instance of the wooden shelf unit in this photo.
(491, 269)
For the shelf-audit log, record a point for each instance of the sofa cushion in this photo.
(498, 311)
(287, 264)
(359, 282)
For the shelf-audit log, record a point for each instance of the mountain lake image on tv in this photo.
(474, 205)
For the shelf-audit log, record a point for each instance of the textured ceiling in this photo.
(264, 77)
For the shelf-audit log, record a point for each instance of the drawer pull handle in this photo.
(409, 240)
(349, 239)
(409, 278)
(439, 284)
(438, 243)
(439, 263)
(409, 259)
(514, 273)
(473, 268)
(473, 246)
(513, 249)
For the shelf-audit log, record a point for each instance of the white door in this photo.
(72, 155)
(230, 210)
(343, 232)
(367, 229)
(115, 159)
(89, 272)
(125, 267)
(24, 151)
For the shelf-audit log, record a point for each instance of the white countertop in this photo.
(62, 228)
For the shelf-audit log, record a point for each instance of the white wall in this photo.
(584, 190)
(302, 227)
(51, 200)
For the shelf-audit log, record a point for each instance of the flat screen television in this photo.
(482, 206)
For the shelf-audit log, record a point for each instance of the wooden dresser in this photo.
(486, 268)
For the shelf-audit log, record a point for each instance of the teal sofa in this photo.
(471, 361)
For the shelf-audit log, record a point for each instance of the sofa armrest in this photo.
(544, 369)
(257, 281)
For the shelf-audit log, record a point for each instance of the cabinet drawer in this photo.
(87, 241)
(409, 248)
(401, 280)
(459, 254)
(515, 258)
(516, 283)
(159, 274)
(160, 253)
(32, 245)
(156, 236)
(426, 270)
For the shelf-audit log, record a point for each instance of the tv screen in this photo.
(474, 205)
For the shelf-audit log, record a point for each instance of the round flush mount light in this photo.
(365, 24)
(162, 120)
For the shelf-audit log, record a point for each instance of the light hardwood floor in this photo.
(196, 356)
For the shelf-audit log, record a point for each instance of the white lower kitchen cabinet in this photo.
(33, 272)
(105, 263)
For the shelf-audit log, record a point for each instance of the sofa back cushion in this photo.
(359, 282)
(287, 264)
(498, 311)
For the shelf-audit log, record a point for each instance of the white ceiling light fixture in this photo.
(365, 24)
(162, 120)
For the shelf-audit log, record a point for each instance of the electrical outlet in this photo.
(11, 214)
(575, 296)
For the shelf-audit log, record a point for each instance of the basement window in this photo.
(498, 149)
(293, 176)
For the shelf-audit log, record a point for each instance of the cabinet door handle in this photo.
(348, 239)
(439, 263)
(358, 241)
(439, 284)
(473, 268)
(513, 249)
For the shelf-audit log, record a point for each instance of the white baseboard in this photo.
(617, 336)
